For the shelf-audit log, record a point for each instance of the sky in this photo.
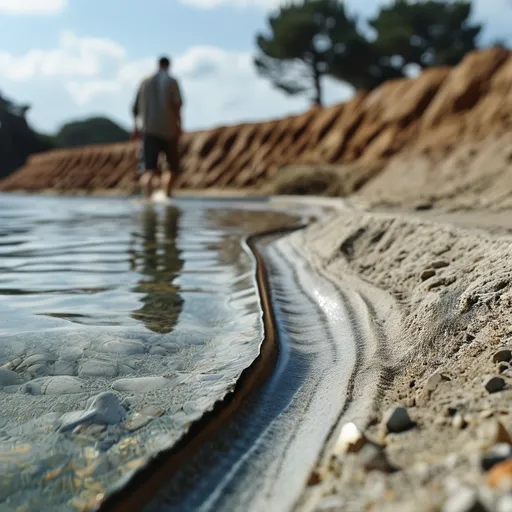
(70, 59)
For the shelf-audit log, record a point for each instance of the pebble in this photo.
(351, 440)
(12, 365)
(430, 386)
(494, 384)
(397, 420)
(102, 409)
(464, 500)
(38, 369)
(502, 356)
(9, 378)
(495, 455)
(124, 347)
(503, 367)
(374, 458)
(459, 421)
(98, 368)
(157, 351)
(440, 264)
(35, 359)
(63, 367)
(142, 418)
(500, 476)
(493, 432)
(141, 384)
(427, 274)
(70, 353)
(60, 385)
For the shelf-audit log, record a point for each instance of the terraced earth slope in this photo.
(426, 118)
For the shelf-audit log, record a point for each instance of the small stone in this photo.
(397, 420)
(427, 274)
(124, 347)
(494, 384)
(90, 430)
(32, 388)
(423, 396)
(98, 368)
(439, 264)
(465, 500)
(38, 369)
(102, 409)
(459, 421)
(495, 455)
(35, 359)
(374, 458)
(63, 367)
(503, 367)
(9, 378)
(70, 353)
(493, 432)
(351, 440)
(157, 351)
(500, 476)
(486, 414)
(12, 365)
(440, 421)
(435, 379)
(502, 356)
(61, 385)
(142, 418)
(315, 478)
(141, 384)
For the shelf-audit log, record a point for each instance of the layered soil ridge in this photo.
(426, 118)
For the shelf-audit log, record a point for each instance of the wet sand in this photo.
(443, 283)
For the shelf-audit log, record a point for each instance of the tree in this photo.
(425, 32)
(310, 39)
(95, 130)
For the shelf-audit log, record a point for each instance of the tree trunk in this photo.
(317, 84)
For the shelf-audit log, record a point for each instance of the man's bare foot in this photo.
(146, 182)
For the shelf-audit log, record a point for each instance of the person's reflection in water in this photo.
(160, 264)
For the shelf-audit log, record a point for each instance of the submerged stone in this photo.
(141, 384)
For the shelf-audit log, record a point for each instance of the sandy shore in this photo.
(442, 287)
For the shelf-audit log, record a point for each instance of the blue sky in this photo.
(73, 58)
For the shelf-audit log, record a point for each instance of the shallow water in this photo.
(155, 304)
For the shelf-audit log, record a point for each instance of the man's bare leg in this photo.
(167, 183)
(146, 182)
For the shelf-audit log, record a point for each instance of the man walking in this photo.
(158, 104)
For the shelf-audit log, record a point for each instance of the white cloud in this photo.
(95, 75)
(218, 87)
(32, 6)
(74, 56)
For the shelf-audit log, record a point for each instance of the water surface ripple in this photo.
(156, 306)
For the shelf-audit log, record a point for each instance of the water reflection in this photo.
(157, 258)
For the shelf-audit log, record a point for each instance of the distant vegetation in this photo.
(95, 130)
(310, 39)
(18, 140)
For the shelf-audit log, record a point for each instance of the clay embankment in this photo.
(414, 139)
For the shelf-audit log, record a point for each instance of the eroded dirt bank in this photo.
(423, 120)
(448, 445)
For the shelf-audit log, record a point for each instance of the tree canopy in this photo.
(310, 39)
(426, 33)
(94, 130)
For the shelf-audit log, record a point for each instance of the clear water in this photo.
(155, 304)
